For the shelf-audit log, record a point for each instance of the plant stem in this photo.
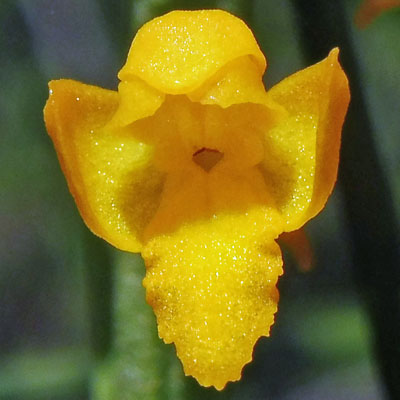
(99, 275)
(139, 365)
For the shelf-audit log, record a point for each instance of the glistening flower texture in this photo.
(195, 165)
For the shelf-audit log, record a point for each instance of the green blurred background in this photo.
(73, 319)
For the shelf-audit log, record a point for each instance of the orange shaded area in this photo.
(371, 9)
(298, 244)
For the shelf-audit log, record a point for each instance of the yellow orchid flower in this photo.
(196, 166)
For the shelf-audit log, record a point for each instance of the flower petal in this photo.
(109, 172)
(136, 100)
(212, 285)
(177, 52)
(302, 152)
(239, 81)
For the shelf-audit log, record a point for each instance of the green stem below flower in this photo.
(140, 365)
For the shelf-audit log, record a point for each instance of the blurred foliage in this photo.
(140, 365)
(73, 319)
(43, 375)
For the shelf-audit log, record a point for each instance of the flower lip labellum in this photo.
(207, 159)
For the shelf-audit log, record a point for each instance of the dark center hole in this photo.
(207, 158)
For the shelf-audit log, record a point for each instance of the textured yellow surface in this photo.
(212, 287)
(304, 147)
(108, 171)
(195, 165)
(136, 100)
(177, 52)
